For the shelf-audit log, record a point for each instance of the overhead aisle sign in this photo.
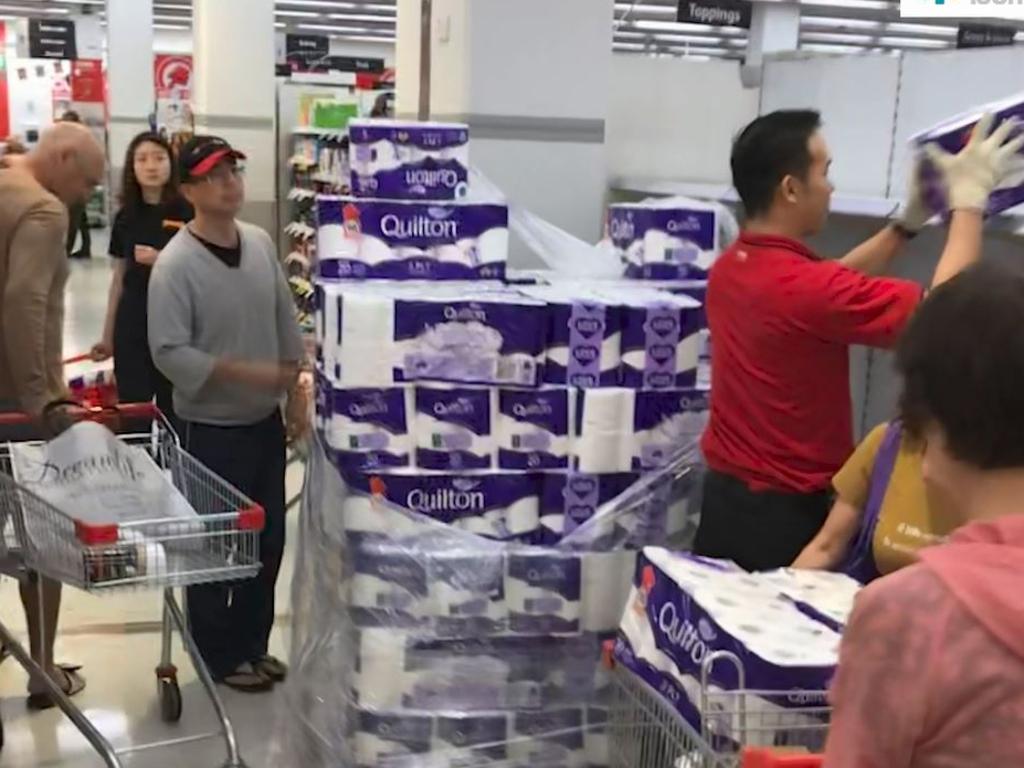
(716, 13)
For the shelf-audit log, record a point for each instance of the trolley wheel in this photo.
(170, 695)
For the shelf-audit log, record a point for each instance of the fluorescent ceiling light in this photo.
(334, 28)
(366, 38)
(81, 2)
(664, 26)
(171, 26)
(360, 17)
(668, 10)
(317, 4)
(912, 42)
(838, 23)
(280, 25)
(298, 14)
(924, 29)
(875, 5)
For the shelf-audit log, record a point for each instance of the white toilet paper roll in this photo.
(607, 579)
(389, 738)
(603, 443)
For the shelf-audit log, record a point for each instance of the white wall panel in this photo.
(856, 96)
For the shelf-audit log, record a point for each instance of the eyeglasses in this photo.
(225, 173)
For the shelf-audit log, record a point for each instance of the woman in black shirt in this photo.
(151, 213)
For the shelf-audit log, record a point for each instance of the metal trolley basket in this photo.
(646, 731)
(221, 544)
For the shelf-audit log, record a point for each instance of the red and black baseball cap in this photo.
(201, 154)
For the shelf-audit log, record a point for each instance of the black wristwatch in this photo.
(902, 231)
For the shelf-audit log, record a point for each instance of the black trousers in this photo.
(78, 221)
(138, 379)
(231, 623)
(759, 530)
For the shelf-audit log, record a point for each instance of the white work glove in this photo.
(973, 173)
(915, 213)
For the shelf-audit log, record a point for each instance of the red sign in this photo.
(172, 76)
(87, 81)
(5, 120)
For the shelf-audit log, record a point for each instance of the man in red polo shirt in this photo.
(783, 319)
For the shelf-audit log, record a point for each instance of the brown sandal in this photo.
(71, 683)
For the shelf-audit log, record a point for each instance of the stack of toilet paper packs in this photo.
(500, 453)
(783, 627)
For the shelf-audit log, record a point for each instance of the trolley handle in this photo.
(101, 415)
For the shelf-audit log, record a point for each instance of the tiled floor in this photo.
(117, 640)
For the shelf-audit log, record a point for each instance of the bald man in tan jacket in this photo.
(35, 190)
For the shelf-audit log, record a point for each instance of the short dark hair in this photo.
(131, 190)
(70, 116)
(772, 147)
(962, 360)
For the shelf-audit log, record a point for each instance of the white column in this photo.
(530, 77)
(234, 91)
(129, 74)
(774, 27)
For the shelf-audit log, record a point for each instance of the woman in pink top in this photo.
(931, 672)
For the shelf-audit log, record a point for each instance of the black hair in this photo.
(962, 360)
(70, 116)
(770, 148)
(131, 190)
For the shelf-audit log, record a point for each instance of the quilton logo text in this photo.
(961, 9)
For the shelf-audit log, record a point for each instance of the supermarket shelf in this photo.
(333, 133)
(1011, 222)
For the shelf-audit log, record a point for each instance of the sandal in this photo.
(71, 683)
(272, 667)
(247, 679)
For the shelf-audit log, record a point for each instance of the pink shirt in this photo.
(931, 670)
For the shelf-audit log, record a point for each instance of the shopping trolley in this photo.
(220, 544)
(645, 730)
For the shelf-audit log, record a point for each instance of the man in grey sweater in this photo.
(222, 329)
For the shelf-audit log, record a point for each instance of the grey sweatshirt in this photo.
(200, 310)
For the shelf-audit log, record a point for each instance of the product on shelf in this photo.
(402, 240)
(659, 242)
(409, 160)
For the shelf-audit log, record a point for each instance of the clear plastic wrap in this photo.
(419, 645)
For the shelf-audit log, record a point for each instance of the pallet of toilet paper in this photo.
(376, 334)
(782, 629)
(424, 639)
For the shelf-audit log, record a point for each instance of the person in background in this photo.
(78, 217)
(61, 171)
(783, 320)
(152, 211)
(882, 516)
(222, 328)
(383, 106)
(931, 666)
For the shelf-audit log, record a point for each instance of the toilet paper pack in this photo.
(379, 334)
(392, 738)
(575, 496)
(420, 671)
(455, 427)
(682, 609)
(495, 505)
(543, 592)
(409, 160)
(471, 739)
(371, 428)
(952, 134)
(663, 243)
(660, 340)
(823, 595)
(392, 239)
(389, 586)
(584, 344)
(533, 428)
(467, 592)
(548, 738)
(664, 421)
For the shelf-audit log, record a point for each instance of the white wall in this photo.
(671, 118)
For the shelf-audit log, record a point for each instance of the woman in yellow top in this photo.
(882, 514)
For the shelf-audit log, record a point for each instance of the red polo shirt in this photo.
(782, 321)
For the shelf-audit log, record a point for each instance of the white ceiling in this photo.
(643, 26)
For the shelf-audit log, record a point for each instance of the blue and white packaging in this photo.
(389, 584)
(660, 340)
(408, 160)
(553, 737)
(472, 739)
(496, 505)
(455, 427)
(664, 243)
(682, 609)
(584, 344)
(396, 240)
(575, 497)
(663, 422)
(392, 738)
(467, 592)
(371, 429)
(952, 134)
(534, 428)
(380, 334)
(542, 589)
